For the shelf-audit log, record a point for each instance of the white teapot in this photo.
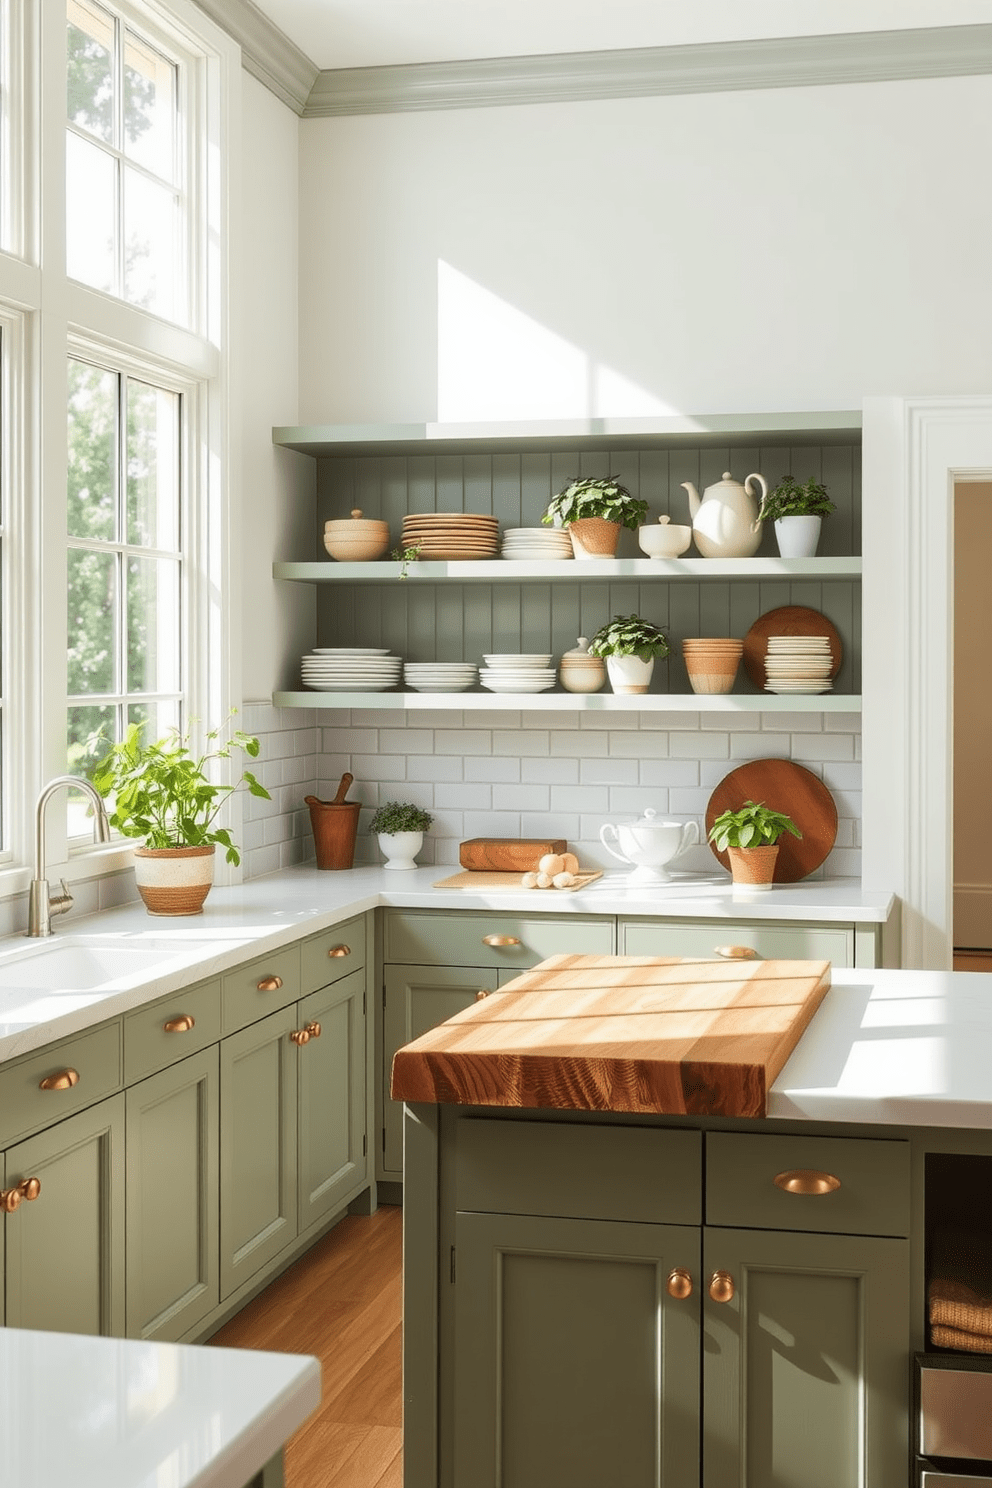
(649, 844)
(726, 521)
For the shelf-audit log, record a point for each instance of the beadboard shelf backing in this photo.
(568, 702)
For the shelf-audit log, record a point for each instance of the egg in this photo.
(551, 863)
(563, 880)
(529, 881)
(544, 880)
(571, 863)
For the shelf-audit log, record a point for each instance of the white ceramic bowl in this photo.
(662, 540)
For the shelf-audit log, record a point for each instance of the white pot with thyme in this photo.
(593, 511)
(400, 828)
(797, 511)
(630, 646)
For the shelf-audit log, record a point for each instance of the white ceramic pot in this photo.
(797, 537)
(649, 844)
(400, 848)
(629, 673)
(174, 880)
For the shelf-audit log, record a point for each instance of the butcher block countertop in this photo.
(649, 1034)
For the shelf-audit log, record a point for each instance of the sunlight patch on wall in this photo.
(494, 362)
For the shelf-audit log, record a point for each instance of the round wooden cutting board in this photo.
(789, 788)
(787, 620)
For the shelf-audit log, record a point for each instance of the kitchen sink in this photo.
(84, 964)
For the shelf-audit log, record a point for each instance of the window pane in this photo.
(91, 214)
(152, 466)
(149, 108)
(92, 479)
(152, 625)
(90, 69)
(150, 221)
(91, 731)
(92, 621)
(158, 715)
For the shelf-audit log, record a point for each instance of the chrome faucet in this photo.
(42, 903)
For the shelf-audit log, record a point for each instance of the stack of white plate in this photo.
(440, 676)
(798, 664)
(522, 673)
(536, 542)
(351, 669)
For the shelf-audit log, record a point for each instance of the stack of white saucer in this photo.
(351, 669)
(440, 676)
(536, 543)
(521, 673)
(798, 664)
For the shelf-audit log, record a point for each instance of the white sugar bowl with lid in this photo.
(580, 672)
(356, 539)
(649, 844)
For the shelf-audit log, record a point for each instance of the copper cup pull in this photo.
(313, 1029)
(64, 1080)
(300, 1036)
(737, 953)
(500, 940)
(340, 950)
(182, 1024)
(679, 1283)
(483, 992)
(269, 984)
(29, 1188)
(721, 1286)
(806, 1181)
(12, 1198)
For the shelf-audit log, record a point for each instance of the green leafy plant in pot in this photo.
(797, 511)
(163, 791)
(593, 511)
(400, 828)
(630, 646)
(750, 837)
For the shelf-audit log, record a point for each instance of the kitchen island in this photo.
(698, 1300)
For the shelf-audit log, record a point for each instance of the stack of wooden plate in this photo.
(451, 535)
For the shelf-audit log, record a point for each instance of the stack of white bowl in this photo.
(440, 676)
(798, 664)
(536, 543)
(351, 669)
(521, 673)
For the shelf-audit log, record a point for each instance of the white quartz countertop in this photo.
(117, 1413)
(267, 913)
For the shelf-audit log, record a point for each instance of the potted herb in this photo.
(593, 511)
(400, 828)
(749, 836)
(630, 646)
(797, 511)
(163, 792)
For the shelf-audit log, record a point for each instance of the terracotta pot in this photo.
(174, 880)
(594, 537)
(753, 866)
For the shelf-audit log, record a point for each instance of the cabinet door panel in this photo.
(258, 1092)
(573, 1367)
(805, 1369)
(172, 1208)
(332, 1098)
(65, 1250)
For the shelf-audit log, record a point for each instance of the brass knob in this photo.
(300, 1036)
(500, 940)
(806, 1181)
(10, 1199)
(29, 1188)
(269, 984)
(313, 1029)
(64, 1080)
(182, 1024)
(484, 992)
(737, 953)
(721, 1286)
(679, 1283)
(340, 950)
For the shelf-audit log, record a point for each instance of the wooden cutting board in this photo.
(510, 882)
(647, 1034)
(507, 854)
(792, 789)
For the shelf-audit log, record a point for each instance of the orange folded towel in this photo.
(959, 1296)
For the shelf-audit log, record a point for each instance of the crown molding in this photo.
(713, 67)
(266, 52)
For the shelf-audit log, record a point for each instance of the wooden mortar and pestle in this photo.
(335, 827)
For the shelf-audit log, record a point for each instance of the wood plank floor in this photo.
(972, 960)
(342, 1302)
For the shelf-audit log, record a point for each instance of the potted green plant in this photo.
(400, 828)
(162, 791)
(797, 511)
(593, 510)
(630, 646)
(750, 836)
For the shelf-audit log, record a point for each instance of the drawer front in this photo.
(332, 954)
(94, 1057)
(579, 1171)
(497, 940)
(788, 942)
(956, 1410)
(259, 988)
(872, 1197)
(171, 1028)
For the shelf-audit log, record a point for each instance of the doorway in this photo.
(972, 715)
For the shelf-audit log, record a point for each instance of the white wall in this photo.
(720, 252)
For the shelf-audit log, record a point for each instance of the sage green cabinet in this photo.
(333, 1145)
(172, 1198)
(842, 945)
(65, 1249)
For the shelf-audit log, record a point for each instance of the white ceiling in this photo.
(375, 33)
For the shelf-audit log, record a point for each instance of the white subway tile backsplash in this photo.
(500, 823)
(554, 824)
(463, 741)
(404, 741)
(462, 797)
(698, 745)
(523, 742)
(430, 766)
(491, 767)
(583, 798)
(571, 742)
(610, 771)
(822, 747)
(521, 797)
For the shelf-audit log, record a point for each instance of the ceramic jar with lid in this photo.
(580, 672)
(356, 539)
